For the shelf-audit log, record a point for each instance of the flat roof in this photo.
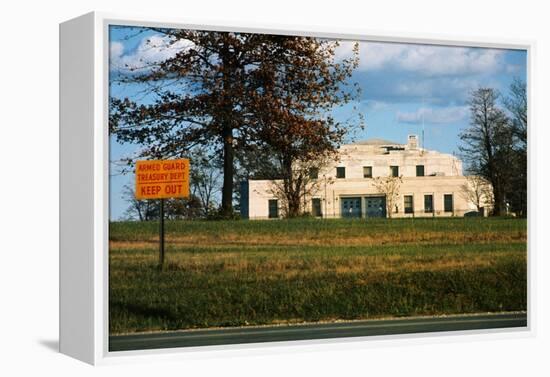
(376, 141)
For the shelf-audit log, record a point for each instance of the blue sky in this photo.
(405, 88)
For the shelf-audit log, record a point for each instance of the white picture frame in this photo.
(84, 185)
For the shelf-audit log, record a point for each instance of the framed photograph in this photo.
(223, 185)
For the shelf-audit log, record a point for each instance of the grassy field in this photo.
(234, 273)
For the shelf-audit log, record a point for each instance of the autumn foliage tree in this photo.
(218, 93)
(295, 129)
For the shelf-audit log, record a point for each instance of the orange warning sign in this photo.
(160, 179)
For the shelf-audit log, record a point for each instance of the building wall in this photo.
(442, 175)
(332, 193)
(354, 157)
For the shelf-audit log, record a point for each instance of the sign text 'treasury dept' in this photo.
(161, 179)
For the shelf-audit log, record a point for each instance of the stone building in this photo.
(378, 178)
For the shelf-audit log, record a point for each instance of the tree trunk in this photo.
(293, 205)
(228, 157)
(499, 200)
(291, 190)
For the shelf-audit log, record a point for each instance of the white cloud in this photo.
(436, 91)
(513, 69)
(151, 50)
(428, 115)
(375, 105)
(117, 49)
(427, 60)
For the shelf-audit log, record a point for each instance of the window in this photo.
(273, 208)
(394, 170)
(316, 207)
(448, 202)
(340, 172)
(419, 170)
(314, 173)
(428, 203)
(408, 204)
(367, 171)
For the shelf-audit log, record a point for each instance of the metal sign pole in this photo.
(161, 234)
(161, 179)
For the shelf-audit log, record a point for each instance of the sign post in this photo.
(162, 179)
(161, 233)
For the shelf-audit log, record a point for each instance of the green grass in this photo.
(125, 231)
(264, 272)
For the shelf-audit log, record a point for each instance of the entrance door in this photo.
(316, 207)
(273, 208)
(351, 207)
(376, 206)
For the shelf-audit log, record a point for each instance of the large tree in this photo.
(488, 144)
(516, 104)
(295, 130)
(211, 93)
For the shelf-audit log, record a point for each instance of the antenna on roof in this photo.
(423, 111)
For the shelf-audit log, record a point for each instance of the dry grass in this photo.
(405, 237)
(273, 273)
(289, 266)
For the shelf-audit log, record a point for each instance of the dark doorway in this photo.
(273, 205)
(316, 207)
(376, 206)
(351, 207)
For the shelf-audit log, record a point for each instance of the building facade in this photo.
(377, 178)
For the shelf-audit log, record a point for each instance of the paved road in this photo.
(194, 338)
